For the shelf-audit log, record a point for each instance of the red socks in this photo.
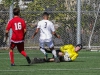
(23, 53)
(11, 55)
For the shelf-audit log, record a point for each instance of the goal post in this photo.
(90, 38)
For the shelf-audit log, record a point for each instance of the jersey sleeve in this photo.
(52, 27)
(74, 56)
(38, 25)
(8, 25)
(66, 48)
(24, 25)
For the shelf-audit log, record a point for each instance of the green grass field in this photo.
(87, 63)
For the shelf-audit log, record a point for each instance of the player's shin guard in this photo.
(54, 53)
(55, 56)
(23, 53)
(11, 55)
(44, 52)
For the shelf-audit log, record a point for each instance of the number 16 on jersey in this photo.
(18, 26)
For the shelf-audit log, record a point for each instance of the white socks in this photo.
(54, 53)
(43, 51)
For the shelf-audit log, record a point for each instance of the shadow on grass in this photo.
(23, 65)
(77, 61)
(71, 61)
(50, 62)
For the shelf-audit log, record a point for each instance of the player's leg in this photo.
(41, 60)
(42, 49)
(11, 53)
(20, 47)
(51, 46)
(38, 60)
(56, 58)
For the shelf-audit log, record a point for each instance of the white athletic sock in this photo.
(54, 53)
(43, 51)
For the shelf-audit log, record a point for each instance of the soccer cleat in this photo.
(28, 60)
(12, 64)
(57, 60)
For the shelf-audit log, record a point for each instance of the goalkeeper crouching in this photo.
(66, 53)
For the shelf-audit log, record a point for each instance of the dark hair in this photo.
(45, 13)
(16, 11)
(79, 45)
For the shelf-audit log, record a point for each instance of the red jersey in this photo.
(17, 25)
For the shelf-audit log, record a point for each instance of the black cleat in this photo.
(12, 64)
(28, 60)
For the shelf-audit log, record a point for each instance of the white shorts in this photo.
(47, 42)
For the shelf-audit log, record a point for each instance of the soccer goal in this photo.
(92, 48)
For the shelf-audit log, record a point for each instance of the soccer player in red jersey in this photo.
(18, 27)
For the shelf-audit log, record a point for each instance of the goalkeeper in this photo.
(66, 53)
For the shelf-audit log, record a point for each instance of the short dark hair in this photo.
(45, 13)
(16, 11)
(79, 45)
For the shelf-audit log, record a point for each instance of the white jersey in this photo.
(46, 29)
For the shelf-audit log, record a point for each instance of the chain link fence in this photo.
(63, 13)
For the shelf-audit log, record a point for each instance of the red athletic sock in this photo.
(11, 55)
(23, 53)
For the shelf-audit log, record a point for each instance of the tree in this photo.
(58, 13)
(7, 3)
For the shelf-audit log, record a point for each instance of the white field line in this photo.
(50, 70)
(19, 53)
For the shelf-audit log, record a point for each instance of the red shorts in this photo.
(20, 46)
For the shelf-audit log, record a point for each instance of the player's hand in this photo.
(58, 36)
(4, 41)
(32, 37)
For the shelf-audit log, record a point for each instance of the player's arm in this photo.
(74, 57)
(24, 26)
(6, 35)
(54, 33)
(37, 30)
(64, 48)
(25, 32)
(8, 26)
(53, 30)
(68, 47)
